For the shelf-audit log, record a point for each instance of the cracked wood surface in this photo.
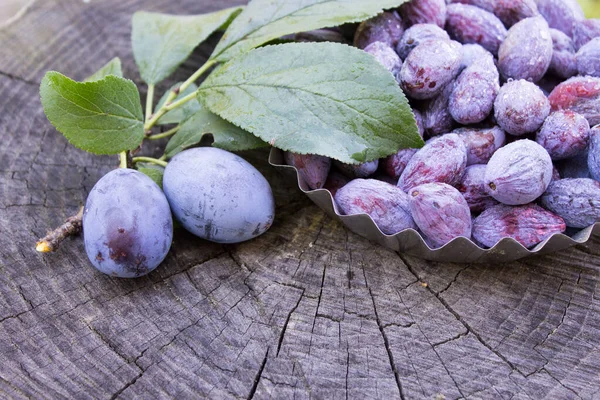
(308, 310)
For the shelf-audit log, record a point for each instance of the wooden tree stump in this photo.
(308, 310)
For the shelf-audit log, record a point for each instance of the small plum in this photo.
(481, 143)
(313, 169)
(575, 200)
(564, 134)
(386, 204)
(386, 56)
(386, 27)
(429, 68)
(526, 53)
(396, 163)
(352, 171)
(472, 52)
(440, 212)
(520, 107)
(473, 189)
(475, 91)
(518, 173)
(561, 14)
(417, 34)
(584, 31)
(442, 159)
(528, 224)
(437, 119)
(469, 24)
(424, 12)
(335, 181)
(588, 58)
(563, 63)
(593, 158)
(580, 94)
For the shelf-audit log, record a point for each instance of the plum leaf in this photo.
(113, 67)
(226, 136)
(319, 98)
(265, 20)
(101, 117)
(161, 42)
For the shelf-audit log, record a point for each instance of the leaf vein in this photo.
(119, 105)
(96, 113)
(248, 35)
(291, 88)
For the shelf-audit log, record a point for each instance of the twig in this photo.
(52, 241)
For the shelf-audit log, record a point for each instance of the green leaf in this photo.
(591, 8)
(226, 136)
(113, 67)
(161, 42)
(319, 98)
(153, 171)
(180, 113)
(101, 117)
(265, 20)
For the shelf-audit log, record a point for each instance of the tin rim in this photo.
(410, 242)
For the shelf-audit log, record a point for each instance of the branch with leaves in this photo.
(320, 98)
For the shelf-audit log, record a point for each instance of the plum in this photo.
(482, 143)
(386, 204)
(440, 212)
(520, 107)
(469, 24)
(312, 168)
(218, 196)
(575, 200)
(473, 96)
(352, 171)
(424, 12)
(518, 173)
(564, 134)
(386, 56)
(526, 53)
(127, 224)
(417, 34)
(528, 224)
(563, 63)
(442, 159)
(580, 94)
(561, 14)
(386, 27)
(473, 189)
(429, 68)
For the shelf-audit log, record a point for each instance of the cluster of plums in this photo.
(214, 194)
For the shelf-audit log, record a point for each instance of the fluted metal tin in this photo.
(460, 250)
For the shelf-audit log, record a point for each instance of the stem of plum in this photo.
(149, 101)
(123, 158)
(196, 75)
(52, 240)
(180, 102)
(150, 160)
(169, 105)
(163, 135)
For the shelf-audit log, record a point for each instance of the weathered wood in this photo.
(308, 310)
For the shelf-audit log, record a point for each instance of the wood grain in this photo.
(308, 310)
(10, 10)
